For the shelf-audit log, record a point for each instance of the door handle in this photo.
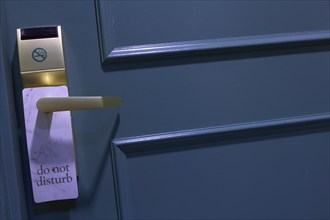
(54, 104)
(46, 102)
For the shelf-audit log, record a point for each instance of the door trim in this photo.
(111, 53)
(146, 144)
(221, 46)
(124, 148)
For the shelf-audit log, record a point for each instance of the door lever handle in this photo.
(55, 104)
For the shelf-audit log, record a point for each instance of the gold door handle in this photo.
(55, 104)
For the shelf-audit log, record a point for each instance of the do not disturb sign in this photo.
(50, 147)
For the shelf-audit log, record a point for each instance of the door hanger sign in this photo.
(50, 147)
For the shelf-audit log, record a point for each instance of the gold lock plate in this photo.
(41, 59)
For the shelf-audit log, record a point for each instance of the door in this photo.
(225, 109)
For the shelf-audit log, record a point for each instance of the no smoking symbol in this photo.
(39, 54)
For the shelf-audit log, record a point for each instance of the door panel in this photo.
(215, 93)
(262, 170)
(139, 29)
(232, 132)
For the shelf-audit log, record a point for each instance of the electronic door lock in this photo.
(41, 56)
(42, 64)
(46, 110)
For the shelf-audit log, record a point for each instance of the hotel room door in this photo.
(225, 109)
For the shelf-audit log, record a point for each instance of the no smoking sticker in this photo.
(39, 54)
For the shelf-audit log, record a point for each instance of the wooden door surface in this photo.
(225, 109)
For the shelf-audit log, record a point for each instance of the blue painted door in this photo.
(225, 109)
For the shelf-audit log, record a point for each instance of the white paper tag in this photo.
(50, 147)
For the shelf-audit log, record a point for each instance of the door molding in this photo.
(223, 46)
(125, 148)
(110, 52)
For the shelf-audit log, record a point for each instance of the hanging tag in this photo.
(50, 147)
